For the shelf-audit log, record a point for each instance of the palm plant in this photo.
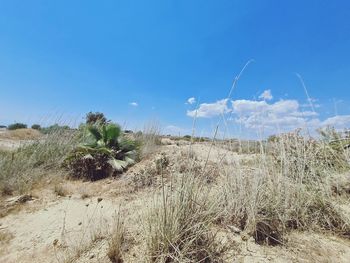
(104, 151)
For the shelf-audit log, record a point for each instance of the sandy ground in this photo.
(73, 228)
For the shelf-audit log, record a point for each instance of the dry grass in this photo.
(285, 190)
(22, 168)
(281, 190)
(149, 139)
(21, 134)
(116, 243)
(177, 228)
(60, 190)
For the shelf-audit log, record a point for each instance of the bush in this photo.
(105, 151)
(96, 118)
(16, 126)
(54, 128)
(36, 127)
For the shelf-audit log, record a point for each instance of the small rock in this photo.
(92, 256)
(99, 199)
(79, 223)
(55, 242)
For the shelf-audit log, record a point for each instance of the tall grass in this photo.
(21, 168)
(283, 188)
(178, 226)
(149, 138)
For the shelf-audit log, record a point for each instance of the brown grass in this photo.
(21, 134)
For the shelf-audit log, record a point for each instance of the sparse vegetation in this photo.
(178, 227)
(16, 126)
(54, 128)
(116, 243)
(262, 189)
(21, 168)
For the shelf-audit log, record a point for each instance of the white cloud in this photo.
(266, 95)
(191, 100)
(283, 114)
(269, 117)
(338, 122)
(208, 110)
(134, 104)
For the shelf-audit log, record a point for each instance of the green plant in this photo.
(96, 117)
(16, 126)
(36, 127)
(54, 129)
(105, 151)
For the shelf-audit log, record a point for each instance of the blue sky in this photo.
(61, 59)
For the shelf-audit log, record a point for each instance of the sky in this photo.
(171, 62)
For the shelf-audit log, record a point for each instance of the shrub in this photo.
(36, 127)
(55, 129)
(187, 137)
(16, 126)
(96, 118)
(105, 151)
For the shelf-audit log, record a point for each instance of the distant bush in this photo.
(187, 137)
(54, 128)
(96, 117)
(3, 126)
(16, 126)
(36, 127)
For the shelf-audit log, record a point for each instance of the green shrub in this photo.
(36, 127)
(16, 126)
(54, 128)
(105, 151)
(96, 117)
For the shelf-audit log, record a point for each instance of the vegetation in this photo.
(288, 182)
(178, 227)
(16, 126)
(96, 118)
(20, 169)
(36, 127)
(104, 151)
(56, 128)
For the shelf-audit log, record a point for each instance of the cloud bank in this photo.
(271, 117)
